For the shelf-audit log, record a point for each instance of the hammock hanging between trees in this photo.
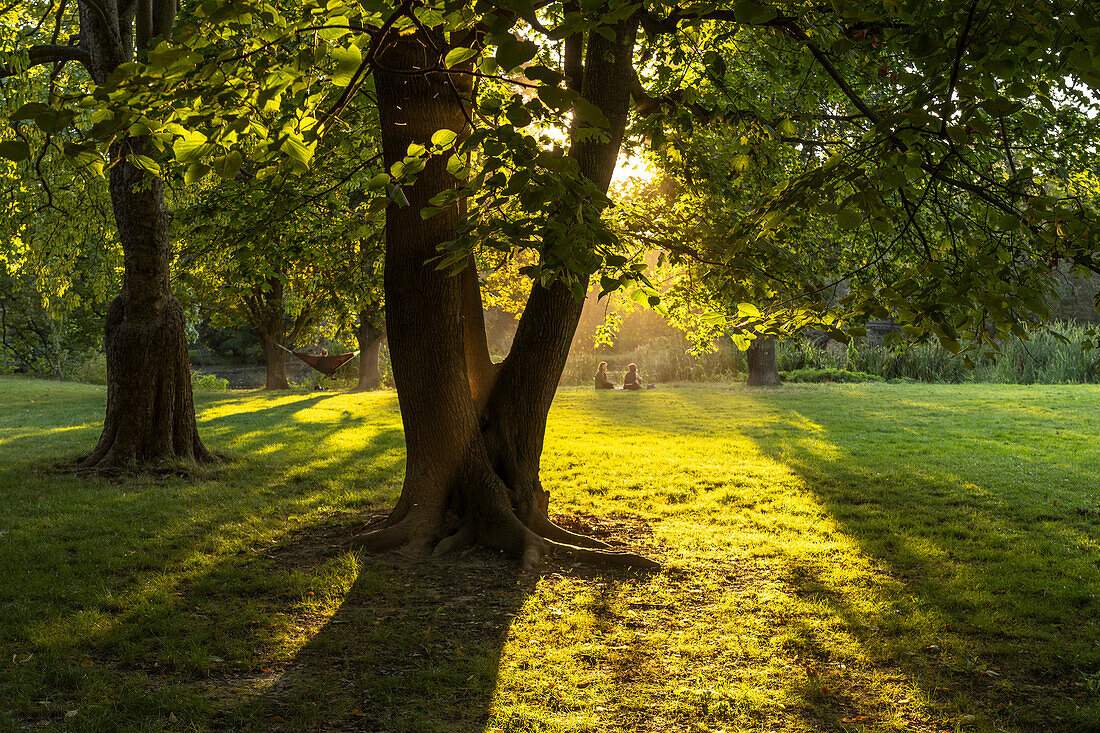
(327, 364)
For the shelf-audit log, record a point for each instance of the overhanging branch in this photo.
(50, 54)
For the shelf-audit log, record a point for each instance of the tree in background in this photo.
(870, 171)
(60, 263)
(279, 258)
(150, 412)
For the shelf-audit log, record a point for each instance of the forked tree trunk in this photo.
(515, 418)
(473, 432)
(370, 339)
(763, 361)
(150, 412)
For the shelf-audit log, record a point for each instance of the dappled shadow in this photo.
(973, 518)
(235, 605)
(131, 563)
(411, 646)
(975, 573)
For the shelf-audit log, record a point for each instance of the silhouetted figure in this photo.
(602, 382)
(632, 380)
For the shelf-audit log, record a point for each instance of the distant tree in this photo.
(274, 258)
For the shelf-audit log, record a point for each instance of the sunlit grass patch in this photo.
(840, 557)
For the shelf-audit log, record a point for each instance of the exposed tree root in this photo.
(461, 539)
(541, 525)
(120, 463)
(381, 540)
(505, 533)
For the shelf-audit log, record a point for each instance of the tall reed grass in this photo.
(1053, 354)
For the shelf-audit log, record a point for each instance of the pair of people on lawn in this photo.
(632, 380)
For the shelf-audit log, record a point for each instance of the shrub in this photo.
(208, 382)
(93, 370)
(828, 375)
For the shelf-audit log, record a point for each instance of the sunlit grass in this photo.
(837, 557)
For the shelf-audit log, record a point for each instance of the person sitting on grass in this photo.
(632, 380)
(602, 382)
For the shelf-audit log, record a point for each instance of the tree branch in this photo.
(832, 71)
(50, 54)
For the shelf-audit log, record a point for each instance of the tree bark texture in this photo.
(473, 431)
(150, 415)
(370, 339)
(515, 417)
(763, 360)
(150, 410)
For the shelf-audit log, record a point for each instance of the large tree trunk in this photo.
(763, 362)
(473, 434)
(150, 411)
(370, 339)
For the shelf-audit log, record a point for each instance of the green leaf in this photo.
(297, 149)
(195, 173)
(849, 219)
(15, 150)
(457, 55)
(227, 165)
(444, 138)
(145, 163)
(44, 116)
(556, 98)
(754, 13)
(190, 146)
(747, 310)
(512, 52)
(329, 33)
(543, 74)
(348, 60)
(590, 113)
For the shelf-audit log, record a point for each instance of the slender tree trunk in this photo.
(515, 419)
(150, 415)
(269, 304)
(370, 339)
(763, 362)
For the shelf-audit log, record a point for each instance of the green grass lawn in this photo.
(836, 557)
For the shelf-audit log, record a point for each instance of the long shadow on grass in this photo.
(996, 607)
(410, 648)
(982, 539)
